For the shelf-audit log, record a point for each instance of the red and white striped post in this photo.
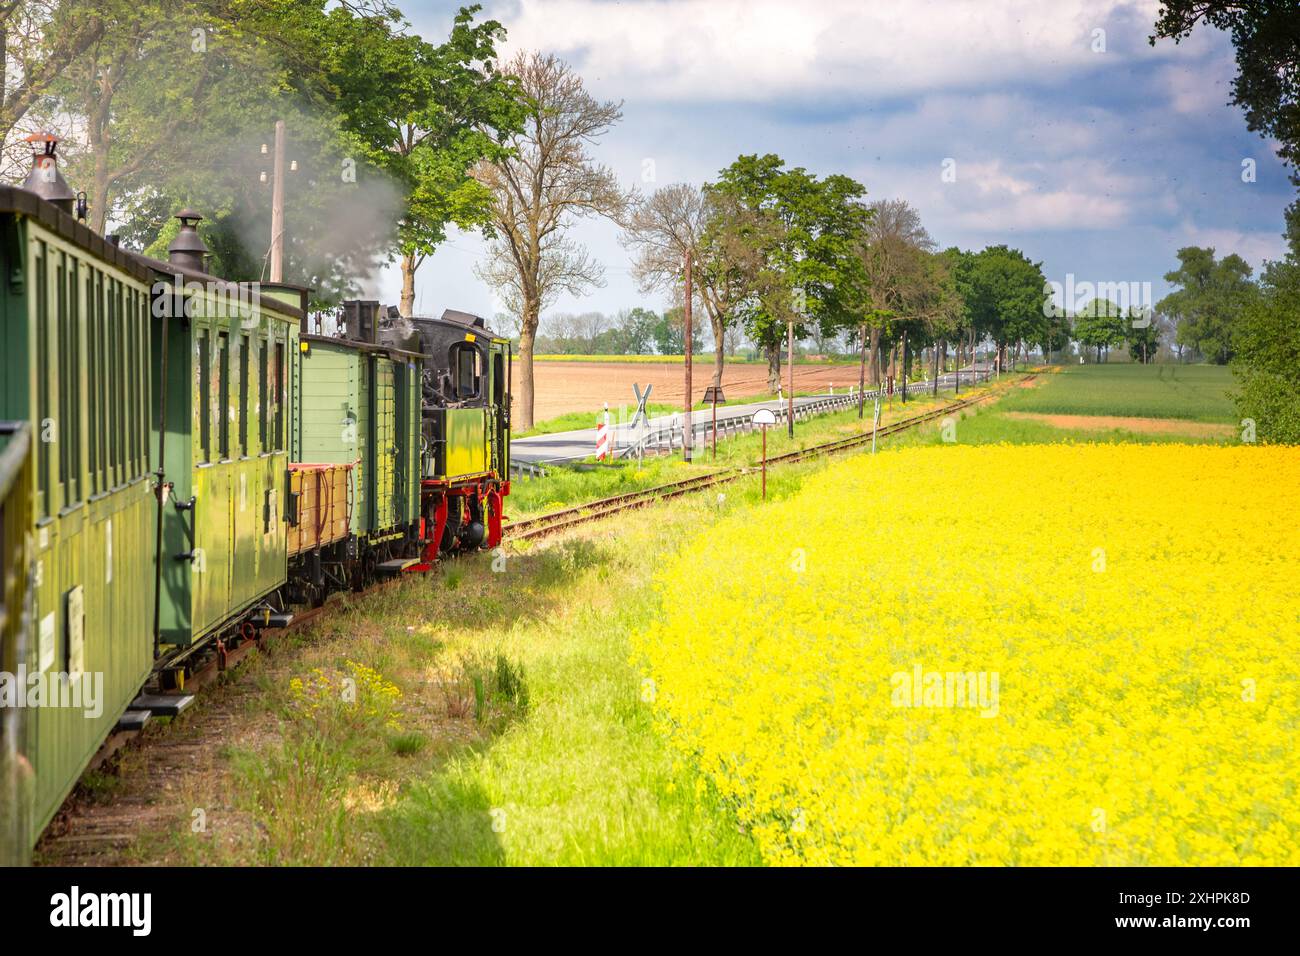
(602, 436)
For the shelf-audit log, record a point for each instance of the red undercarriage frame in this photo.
(490, 493)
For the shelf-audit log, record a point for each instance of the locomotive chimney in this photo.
(188, 249)
(45, 179)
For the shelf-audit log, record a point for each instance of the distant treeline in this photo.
(642, 331)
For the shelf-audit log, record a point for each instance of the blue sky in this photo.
(1096, 163)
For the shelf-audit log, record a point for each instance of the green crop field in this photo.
(1195, 392)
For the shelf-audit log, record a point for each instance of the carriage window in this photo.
(244, 346)
(93, 353)
(263, 410)
(43, 378)
(223, 392)
(102, 359)
(69, 438)
(498, 379)
(115, 402)
(205, 397)
(278, 396)
(136, 356)
(467, 371)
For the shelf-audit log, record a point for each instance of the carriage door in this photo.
(385, 405)
(500, 413)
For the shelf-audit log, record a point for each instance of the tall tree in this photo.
(547, 180)
(1100, 324)
(39, 39)
(1207, 300)
(168, 106)
(1006, 298)
(795, 235)
(428, 115)
(1142, 333)
(1267, 363)
(961, 264)
(148, 76)
(892, 249)
(661, 231)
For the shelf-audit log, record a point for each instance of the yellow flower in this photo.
(1055, 655)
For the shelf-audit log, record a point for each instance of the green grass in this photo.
(1194, 392)
(989, 426)
(523, 737)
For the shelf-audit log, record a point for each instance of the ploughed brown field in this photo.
(563, 387)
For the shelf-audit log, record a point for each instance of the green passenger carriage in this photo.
(76, 356)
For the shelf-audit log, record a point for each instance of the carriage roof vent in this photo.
(45, 179)
(188, 248)
(463, 318)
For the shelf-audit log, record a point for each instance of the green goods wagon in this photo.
(360, 406)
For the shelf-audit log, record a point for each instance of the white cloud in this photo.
(1200, 87)
(1097, 164)
(1255, 246)
(765, 50)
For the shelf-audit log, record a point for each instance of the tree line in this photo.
(635, 331)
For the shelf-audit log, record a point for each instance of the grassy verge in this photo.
(487, 714)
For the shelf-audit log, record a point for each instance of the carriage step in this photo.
(133, 720)
(275, 619)
(162, 705)
(396, 566)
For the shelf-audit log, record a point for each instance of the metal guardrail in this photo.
(526, 469)
(672, 435)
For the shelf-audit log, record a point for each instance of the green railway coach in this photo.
(231, 389)
(75, 350)
(15, 631)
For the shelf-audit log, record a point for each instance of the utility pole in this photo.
(903, 366)
(277, 207)
(790, 362)
(686, 435)
(862, 374)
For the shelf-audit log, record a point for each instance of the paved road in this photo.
(576, 445)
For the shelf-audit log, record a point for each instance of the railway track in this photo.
(559, 521)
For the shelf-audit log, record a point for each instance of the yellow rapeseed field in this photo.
(1068, 654)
